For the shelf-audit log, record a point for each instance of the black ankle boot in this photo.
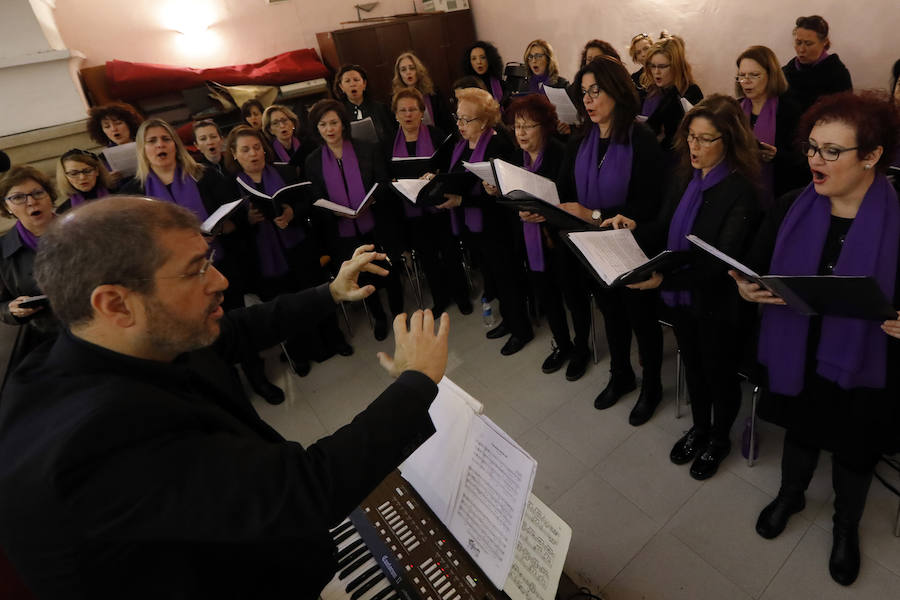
(260, 384)
(648, 400)
(618, 386)
(774, 517)
(850, 491)
(844, 562)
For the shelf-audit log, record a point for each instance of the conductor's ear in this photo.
(115, 304)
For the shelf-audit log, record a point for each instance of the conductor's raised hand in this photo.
(753, 292)
(345, 286)
(418, 348)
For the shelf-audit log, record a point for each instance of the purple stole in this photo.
(536, 83)
(350, 196)
(852, 352)
(78, 198)
(271, 241)
(424, 147)
(534, 245)
(652, 102)
(764, 130)
(684, 217)
(184, 192)
(281, 152)
(473, 216)
(28, 239)
(607, 186)
(496, 89)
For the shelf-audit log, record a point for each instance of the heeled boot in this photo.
(850, 491)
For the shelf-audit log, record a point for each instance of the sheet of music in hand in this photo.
(122, 158)
(478, 481)
(211, 224)
(565, 109)
(431, 192)
(615, 258)
(412, 167)
(834, 295)
(347, 211)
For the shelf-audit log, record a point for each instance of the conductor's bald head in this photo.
(111, 241)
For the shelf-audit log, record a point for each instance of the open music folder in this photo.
(615, 259)
(346, 211)
(478, 481)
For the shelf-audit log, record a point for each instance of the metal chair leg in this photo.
(679, 383)
(347, 319)
(595, 336)
(897, 522)
(754, 402)
(413, 280)
(467, 267)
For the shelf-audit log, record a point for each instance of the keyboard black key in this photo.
(352, 556)
(343, 536)
(354, 566)
(383, 593)
(368, 585)
(350, 548)
(342, 528)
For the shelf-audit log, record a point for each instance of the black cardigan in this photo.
(791, 168)
(385, 123)
(807, 84)
(666, 118)
(728, 219)
(645, 188)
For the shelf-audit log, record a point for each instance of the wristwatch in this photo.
(596, 216)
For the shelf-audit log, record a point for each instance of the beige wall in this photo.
(864, 34)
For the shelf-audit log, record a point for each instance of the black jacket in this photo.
(17, 279)
(728, 219)
(808, 84)
(385, 123)
(667, 117)
(645, 188)
(790, 165)
(131, 478)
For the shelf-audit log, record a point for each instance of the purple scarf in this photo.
(764, 129)
(852, 352)
(338, 193)
(271, 241)
(800, 66)
(281, 152)
(473, 216)
(536, 82)
(534, 245)
(496, 89)
(424, 147)
(78, 198)
(607, 186)
(29, 239)
(651, 103)
(684, 217)
(184, 192)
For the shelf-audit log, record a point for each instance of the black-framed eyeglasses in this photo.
(747, 77)
(593, 91)
(77, 172)
(702, 140)
(536, 56)
(20, 199)
(525, 126)
(464, 120)
(201, 272)
(280, 122)
(828, 153)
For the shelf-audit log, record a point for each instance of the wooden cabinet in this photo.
(437, 39)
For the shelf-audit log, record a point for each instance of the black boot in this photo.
(774, 517)
(648, 400)
(259, 383)
(850, 491)
(798, 463)
(619, 385)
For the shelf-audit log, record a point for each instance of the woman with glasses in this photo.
(490, 230)
(282, 127)
(668, 79)
(833, 381)
(638, 49)
(761, 87)
(612, 168)
(482, 60)
(344, 170)
(542, 66)
(81, 177)
(715, 198)
(28, 197)
(350, 86)
(411, 73)
(814, 72)
(428, 229)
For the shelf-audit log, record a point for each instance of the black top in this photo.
(728, 219)
(791, 167)
(808, 83)
(17, 279)
(385, 123)
(665, 119)
(131, 478)
(645, 188)
(636, 78)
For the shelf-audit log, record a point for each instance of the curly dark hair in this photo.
(336, 87)
(247, 106)
(116, 110)
(870, 113)
(320, 108)
(605, 47)
(495, 63)
(614, 79)
(537, 108)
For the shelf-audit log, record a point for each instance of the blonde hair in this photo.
(423, 79)
(189, 166)
(673, 49)
(86, 158)
(552, 65)
(267, 118)
(488, 108)
(777, 83)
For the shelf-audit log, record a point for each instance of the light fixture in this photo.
(367, 7)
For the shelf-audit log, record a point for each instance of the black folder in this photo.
(664, 262)
(432, 194)
(556, 216)
(270, 206)
(413, 167)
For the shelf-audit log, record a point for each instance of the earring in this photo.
(867, 167)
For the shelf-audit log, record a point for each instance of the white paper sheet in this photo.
(122, 158)
(511, 178)
(540, 554)
(611, 252)
(341, 209)
(565, 110)
(210, 223)
(410, 187)
(483, 170)
(364, 130)
(686, 105)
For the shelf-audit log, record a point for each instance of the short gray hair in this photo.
(109, 242)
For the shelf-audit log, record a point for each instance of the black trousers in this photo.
(438, 249)
(711, 353)
(503, 264)
(550, 287)
(625, 310)
(575, 284)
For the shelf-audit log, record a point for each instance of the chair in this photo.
(680, 383)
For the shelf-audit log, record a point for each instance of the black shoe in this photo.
(615, 389)
(706, 465)
(344, 349)
(262, 387)
(498, 332)
(514, 344)
(381, 329)
(844, 562)
(298, 365)
(648, 400)
(691, 444)
(464, 306)
(557, 359)
(578, 364)
(774, 517)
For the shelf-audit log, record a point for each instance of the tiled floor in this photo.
(642, 528)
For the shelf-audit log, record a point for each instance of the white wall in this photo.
(864, 34)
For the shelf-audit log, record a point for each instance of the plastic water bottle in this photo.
(487, 312)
